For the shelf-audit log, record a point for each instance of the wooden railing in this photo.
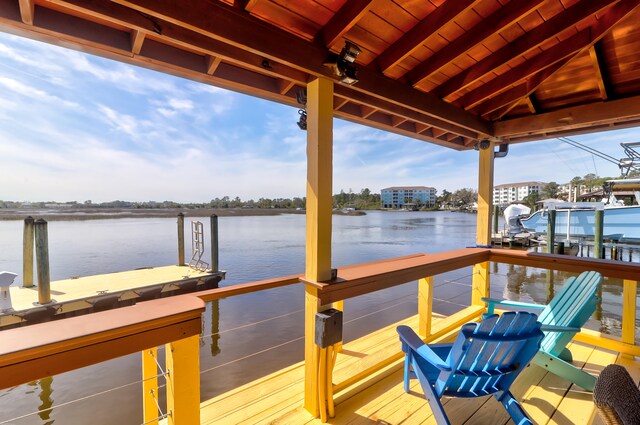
(46, 349)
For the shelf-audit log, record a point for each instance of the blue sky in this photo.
(79, 127)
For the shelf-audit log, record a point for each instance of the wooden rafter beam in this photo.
(505, 16)
(567, 48)
(225, 24)
(27, 9)
(600, 68)
(584, 116)
(557, 55)
(424, 29)
(344, 19)
(506, 101)
(285, 85)
(212, 64)
(523, 44)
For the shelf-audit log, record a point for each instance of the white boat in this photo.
(621, 223)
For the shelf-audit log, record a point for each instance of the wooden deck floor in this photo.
(83, 292)
(277, 398)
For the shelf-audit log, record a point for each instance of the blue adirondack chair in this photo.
(485, 359)
(567, 312)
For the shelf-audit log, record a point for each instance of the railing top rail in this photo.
(607, 268)
(46, 349)
(365, 278)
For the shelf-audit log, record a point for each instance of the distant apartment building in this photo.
(504, 194)
(403, 196)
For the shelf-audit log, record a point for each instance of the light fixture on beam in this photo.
(343, 65)
(301, 97)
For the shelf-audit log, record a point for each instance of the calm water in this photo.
(252, 335)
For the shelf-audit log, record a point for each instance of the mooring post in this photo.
(214, 244)
(598, 234)
(42, 261)
(551, 231)
(495, 218)
(27, 253)
(181, 239)
(614, 253)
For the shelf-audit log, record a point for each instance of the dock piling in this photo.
(214, 244)
(598, 234)
(495, 218)
(27, 252)
(181, 239)
(42, 261)
(551, 231)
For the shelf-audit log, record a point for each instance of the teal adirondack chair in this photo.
(567, 312)
(485, 359)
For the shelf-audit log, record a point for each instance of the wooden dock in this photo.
(100, 292)
(278, 398)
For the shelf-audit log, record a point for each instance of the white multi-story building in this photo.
(400, 196)
(504, 194)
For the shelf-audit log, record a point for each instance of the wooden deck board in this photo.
(277, 399)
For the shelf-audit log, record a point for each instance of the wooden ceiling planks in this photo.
(422, 62)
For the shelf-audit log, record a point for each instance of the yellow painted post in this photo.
(630, 289)
(319, 209)
(425, 306)
(150, 386)
(481, 280)
(183, 381)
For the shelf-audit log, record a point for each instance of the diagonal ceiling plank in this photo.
(424, 29)
(600, 68)
(595, 33)
(502, 18)
(137, 38)
(224, 23)
(344, 19)
(523, 44)
(566, 48)
(27, 9)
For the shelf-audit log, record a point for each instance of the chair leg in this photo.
(514, 408)
(407, 372)
(565, 370)
(432, 398)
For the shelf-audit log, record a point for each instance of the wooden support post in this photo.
(425, 306)
(495, 219)
(629, 294)
(551, 231)
(42, 261)
(598, 234)
(150, 386)
(27, 252)
(183, 381)
(481, 280)
(181, 239)
(215, 265)
(319, 209)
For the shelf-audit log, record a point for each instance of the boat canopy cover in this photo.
(514, 210)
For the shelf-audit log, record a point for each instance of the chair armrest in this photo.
(554, 328)
(492, 302)
(409, 337)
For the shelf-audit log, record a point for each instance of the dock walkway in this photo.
(100, 292)
(277, 398)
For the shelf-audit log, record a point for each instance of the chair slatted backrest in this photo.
(488, 356)
(572, 306)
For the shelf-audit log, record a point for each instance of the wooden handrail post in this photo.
(181, 239)
(150, 386)
(425, 306)
(318, 221)
(481, 279)
(27, 252)
(630, 289)
(183, 381)
(215, 265)
(42, 259)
